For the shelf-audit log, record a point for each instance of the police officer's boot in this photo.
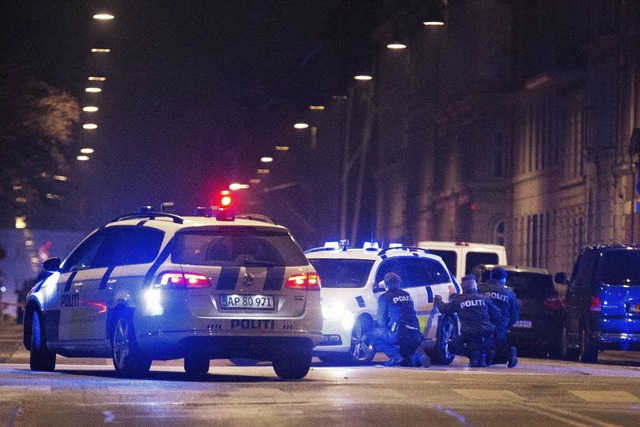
(513, 358)
(474, 360)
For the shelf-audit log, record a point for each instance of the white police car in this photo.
(351, 283)
(158, 286)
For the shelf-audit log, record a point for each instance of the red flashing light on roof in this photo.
(225, 210)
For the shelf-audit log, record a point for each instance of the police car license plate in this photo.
(522, 324)
(257, 302)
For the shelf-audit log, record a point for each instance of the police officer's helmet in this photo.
(391, 281)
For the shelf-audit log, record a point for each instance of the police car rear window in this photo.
(342, 273)
(237, 246)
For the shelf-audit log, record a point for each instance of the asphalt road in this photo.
(537, 392)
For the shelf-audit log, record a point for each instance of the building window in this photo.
(499, 232)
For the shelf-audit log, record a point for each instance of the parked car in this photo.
(602, 302)
(538, 331)
(351, 284)
(462, 257)
(157, 286)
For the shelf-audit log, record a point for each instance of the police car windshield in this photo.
(342, 273)
(237, 246)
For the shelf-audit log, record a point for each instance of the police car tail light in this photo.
(183, 280)
(596, 305)
(309, 281)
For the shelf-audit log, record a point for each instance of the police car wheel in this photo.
(293, 363)
(362, 351)
(40, 358)
(197, 365)
(128, 359)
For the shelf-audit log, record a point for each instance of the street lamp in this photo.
(301, 125)
(103, 16)
(266, 159)
(90, 109)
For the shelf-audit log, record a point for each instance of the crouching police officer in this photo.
(506, 302)
(478, 317)
(398, 332)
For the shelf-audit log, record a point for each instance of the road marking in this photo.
(488, 395)
(605, 396)
(567, 417)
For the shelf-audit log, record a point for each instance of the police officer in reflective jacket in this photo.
(506, 301)
(478, 317)
(398, 332)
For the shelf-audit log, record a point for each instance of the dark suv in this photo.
(538, 330)
(602, 302)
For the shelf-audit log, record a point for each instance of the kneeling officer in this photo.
(398, 332)
(478, 318)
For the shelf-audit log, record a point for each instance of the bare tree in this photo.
(36, 123)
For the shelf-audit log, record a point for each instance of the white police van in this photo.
(158, 286)
(462, 257)
(351, 284)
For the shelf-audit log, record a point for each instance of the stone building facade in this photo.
(510, 124)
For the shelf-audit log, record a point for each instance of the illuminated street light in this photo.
(254, 181)
(103, 16)
(96, 79)
(396, 46)
(281, 148)
(301, 125)
(263, 171)
(21, 222)
(433, 23)
(237, 186)
(86, 150)
(93, 89)
(90, 109)
(100, 50)
(61, 178)
(316, 107)
(363, 77)
(82, 158)
(89, 126)
(266, 159)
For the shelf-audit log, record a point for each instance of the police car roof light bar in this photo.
(151, 215)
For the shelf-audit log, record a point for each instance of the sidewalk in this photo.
(10, 340)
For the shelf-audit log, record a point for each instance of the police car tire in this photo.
(128, 359)
(362, 326)
(196, 365)
(294, 363)
(40, 358)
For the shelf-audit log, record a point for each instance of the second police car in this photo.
(158, 286)
(352, 280)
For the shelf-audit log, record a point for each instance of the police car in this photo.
(158, 286)
(352, 280)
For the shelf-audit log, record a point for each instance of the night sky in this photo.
(196, 91)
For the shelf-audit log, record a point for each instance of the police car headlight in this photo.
(333, 311)
(153, 302)
(348, 320)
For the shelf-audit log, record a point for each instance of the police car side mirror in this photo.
(378, 287)
(51, 265)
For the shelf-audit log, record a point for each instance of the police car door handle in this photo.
(110, 283)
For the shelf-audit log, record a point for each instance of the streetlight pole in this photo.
(345, 166)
